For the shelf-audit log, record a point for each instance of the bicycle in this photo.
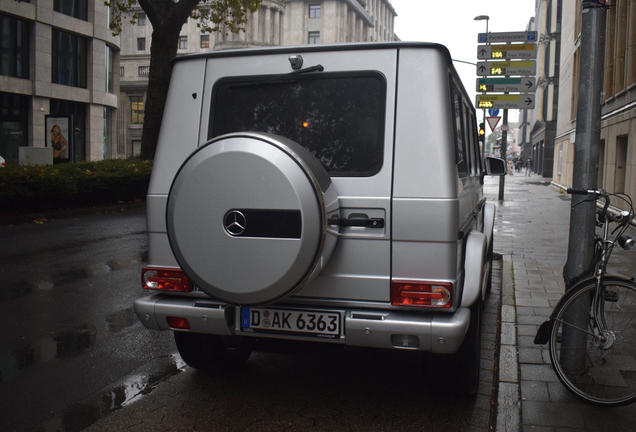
(592, 330)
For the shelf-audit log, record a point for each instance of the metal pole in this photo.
(588, 133)
(503, 149)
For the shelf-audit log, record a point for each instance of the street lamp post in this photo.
(481, 18)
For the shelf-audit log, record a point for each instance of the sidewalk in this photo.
(531, 232)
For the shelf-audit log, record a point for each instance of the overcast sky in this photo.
(452, 23)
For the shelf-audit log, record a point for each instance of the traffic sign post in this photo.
(522, 63)
(503, 85)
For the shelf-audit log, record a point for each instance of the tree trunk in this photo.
(165, 40)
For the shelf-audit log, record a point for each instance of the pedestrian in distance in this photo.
(528, 167)
(519, 164)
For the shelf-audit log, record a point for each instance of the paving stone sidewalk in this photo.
(532, 229)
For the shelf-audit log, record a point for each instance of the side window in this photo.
(470, 154)
(472, 143)
(475, 144)
(460, 146)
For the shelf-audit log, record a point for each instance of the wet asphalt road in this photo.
(73, 355)
(67, 328)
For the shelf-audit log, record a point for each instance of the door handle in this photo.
(366, 223)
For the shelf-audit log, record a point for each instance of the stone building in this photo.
(57, 68)
(617, 158)
(539, 125)
(276, 23)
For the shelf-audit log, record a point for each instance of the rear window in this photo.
(339, 118)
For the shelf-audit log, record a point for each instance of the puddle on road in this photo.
(23, 288)
(89, 411)
(117, 321)
(63, 344)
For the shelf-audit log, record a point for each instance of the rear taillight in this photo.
(165, 279)
(423, 294)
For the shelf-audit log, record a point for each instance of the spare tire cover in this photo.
(247, 217)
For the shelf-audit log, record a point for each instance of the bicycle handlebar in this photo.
(605, 215)
(576, 191)
(599, 193)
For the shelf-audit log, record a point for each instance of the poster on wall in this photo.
(57, 136)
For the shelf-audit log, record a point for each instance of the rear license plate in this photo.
(318, 324)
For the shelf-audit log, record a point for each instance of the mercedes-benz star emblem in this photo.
(234, 223)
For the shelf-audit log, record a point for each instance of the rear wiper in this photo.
(280, 78)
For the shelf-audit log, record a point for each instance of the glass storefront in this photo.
(14, 114)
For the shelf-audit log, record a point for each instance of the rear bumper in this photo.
(404, 330)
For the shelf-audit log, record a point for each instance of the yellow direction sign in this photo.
(506, 68)
(510, 51)
(505, 101)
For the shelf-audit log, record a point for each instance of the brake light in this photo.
(178, 322)
(423, 294)
(165, 279)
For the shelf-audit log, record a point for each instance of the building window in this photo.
(137, 109)
(621, 164)
(575, 83)
(205, 41)
(143, 70)
(141, 44)
(14, 125)
(141, 19)
(110, 71)
(314, 11)
(75, 8)
(314, 38)
(69, 59)
(14, 47)
(183, 42)
(136, 148)
(107, 133)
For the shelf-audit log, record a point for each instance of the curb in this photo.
(508, 400)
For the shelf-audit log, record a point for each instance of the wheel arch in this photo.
(476, 250)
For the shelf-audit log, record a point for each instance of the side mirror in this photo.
(495, 166)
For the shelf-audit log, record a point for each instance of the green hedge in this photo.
(35, 188)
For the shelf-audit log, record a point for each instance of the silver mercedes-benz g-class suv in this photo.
(327, 193)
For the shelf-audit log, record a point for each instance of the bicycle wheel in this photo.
(599, 372)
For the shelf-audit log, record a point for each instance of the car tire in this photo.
(208, 352)
(468, 357)
(490, 258)
(458, 374)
